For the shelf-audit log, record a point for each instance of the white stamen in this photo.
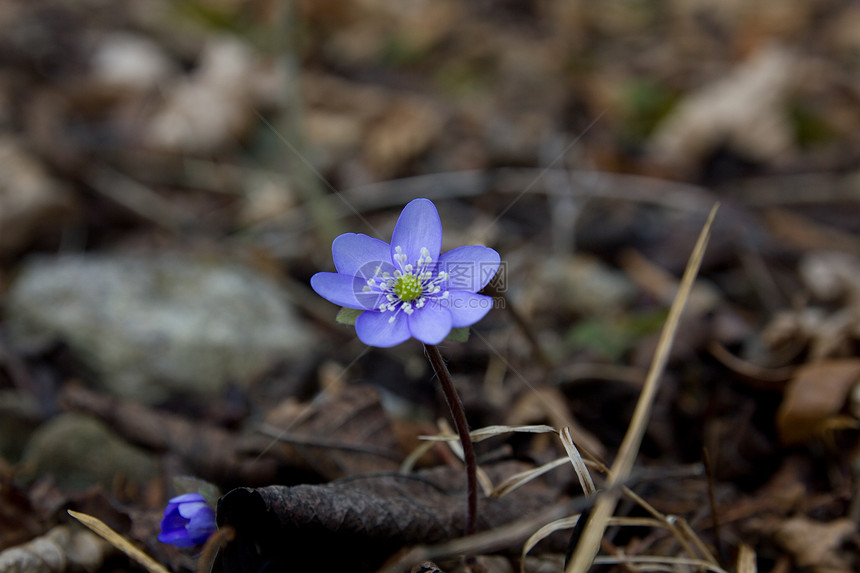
(420, 273)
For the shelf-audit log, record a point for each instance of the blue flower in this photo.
(188, 521)
(406, 289)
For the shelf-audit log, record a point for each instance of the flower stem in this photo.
(456, 407)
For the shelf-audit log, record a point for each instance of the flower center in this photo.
(408, 288)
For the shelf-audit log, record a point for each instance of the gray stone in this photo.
(79, 451)
(152, 325)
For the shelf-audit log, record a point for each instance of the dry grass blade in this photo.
(543, 532)
(697, 541)
(119, 542)
(677, 527)
(570, 522)
(488, 432)
(522, 478)
(589, 543)
(495, 539)
(409, 463)
(455, 446)
(578, 463)
(746, 559)
(478, 435)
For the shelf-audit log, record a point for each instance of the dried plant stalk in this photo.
(119, 542)
(589, 543)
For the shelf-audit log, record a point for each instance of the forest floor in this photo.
(172, 173)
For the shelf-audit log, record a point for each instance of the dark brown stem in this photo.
(456, 407)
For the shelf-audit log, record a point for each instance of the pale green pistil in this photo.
(408, 288)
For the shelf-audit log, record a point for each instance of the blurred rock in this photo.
(831, 275)
(130, 62)
(32, 203)
(153, 325)
(80, 452)
(63, 548)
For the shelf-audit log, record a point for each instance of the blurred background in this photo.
(172, 173)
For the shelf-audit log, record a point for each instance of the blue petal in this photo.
(345, 290)
(467, 308)
(202, 525)
(172, 521)
(354, 253)
(430, 324)
(178, 538)
(469, 268)
(374, 329)
(189, 509)
(418, 226)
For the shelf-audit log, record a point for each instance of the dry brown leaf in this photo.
(815, 544)
(216, 104)
(662, 285)
(341, 433)
(406, 130)
(746, 109)
(19, 520)
(355, 523)
(813, 397)
(803, 233)
(31, 202)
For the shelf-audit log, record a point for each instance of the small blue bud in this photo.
(188, 521)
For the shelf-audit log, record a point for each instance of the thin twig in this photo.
(285, 436)
(459, 416)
